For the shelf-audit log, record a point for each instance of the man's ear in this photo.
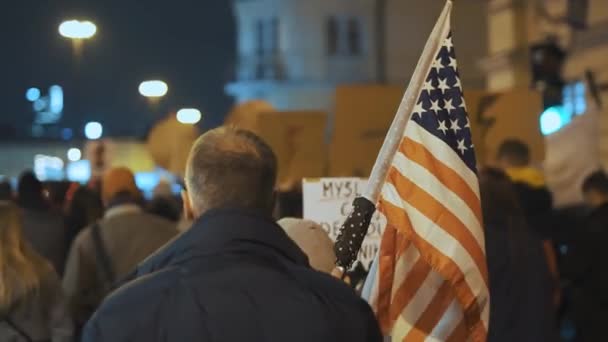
(188, 212)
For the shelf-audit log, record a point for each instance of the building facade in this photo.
(294, 53)
(579, 27)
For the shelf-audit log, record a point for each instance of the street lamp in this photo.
(153, 88)
(76, 29)
(189, 116)
(93, 130)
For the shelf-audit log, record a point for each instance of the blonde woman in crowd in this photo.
(31, 301)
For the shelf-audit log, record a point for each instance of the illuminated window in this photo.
(574, 103)
(574, 98)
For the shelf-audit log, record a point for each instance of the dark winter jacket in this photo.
(234, 276)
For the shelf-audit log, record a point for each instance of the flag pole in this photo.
(354, 228)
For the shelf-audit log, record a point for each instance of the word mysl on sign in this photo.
(328, 201)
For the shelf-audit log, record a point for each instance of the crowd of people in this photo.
(104, 264)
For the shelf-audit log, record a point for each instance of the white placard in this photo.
(328, 201)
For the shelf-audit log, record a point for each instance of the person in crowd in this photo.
(109, 249)
(313, 241)
(520, 281)
(586, 266)
(6, 191)
(235, 274)
(56, 194)
(289, 201)
(42, 226)
(164, 203)
(84, 207)
(534, 198)
(32, 306)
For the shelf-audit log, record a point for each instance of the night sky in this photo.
(190, 44)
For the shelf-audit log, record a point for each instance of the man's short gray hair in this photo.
(230, 167)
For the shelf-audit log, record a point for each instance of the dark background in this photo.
(190, 44)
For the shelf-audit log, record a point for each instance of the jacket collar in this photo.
(122, 209)
(222, 230)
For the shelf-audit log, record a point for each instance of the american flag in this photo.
(429, 281)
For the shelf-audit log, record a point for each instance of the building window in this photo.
(574, 102)
(259, 37)
(574, 98)
(354, 37)
(275, 35)
(332, 36)
(267, 36)
(343, 36)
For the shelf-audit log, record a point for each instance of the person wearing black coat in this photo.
(586, 267)
(234, 275)
(521, 287)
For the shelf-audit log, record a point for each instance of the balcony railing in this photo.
(258, 68)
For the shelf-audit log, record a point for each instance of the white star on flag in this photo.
(418, 109)
(453, 63)
(468, 125)
(448, 105)
(437, 65)
(443, 85)
(442, 127)
(454, 126)
(457, 83)
(448, 44)
(462, 104)
(435, 106)
(428, 86)
(461, 146)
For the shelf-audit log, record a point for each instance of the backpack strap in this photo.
(103, 260)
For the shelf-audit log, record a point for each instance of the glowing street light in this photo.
(74, 154)
(153, 88)
(189, 116)
(552, 120)
(76, 29)
(93, 130)
(32, 94)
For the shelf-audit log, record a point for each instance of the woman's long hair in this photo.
(21, 269)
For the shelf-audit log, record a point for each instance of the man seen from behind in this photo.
(235, 275)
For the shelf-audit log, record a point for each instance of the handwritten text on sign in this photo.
(328, 201)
